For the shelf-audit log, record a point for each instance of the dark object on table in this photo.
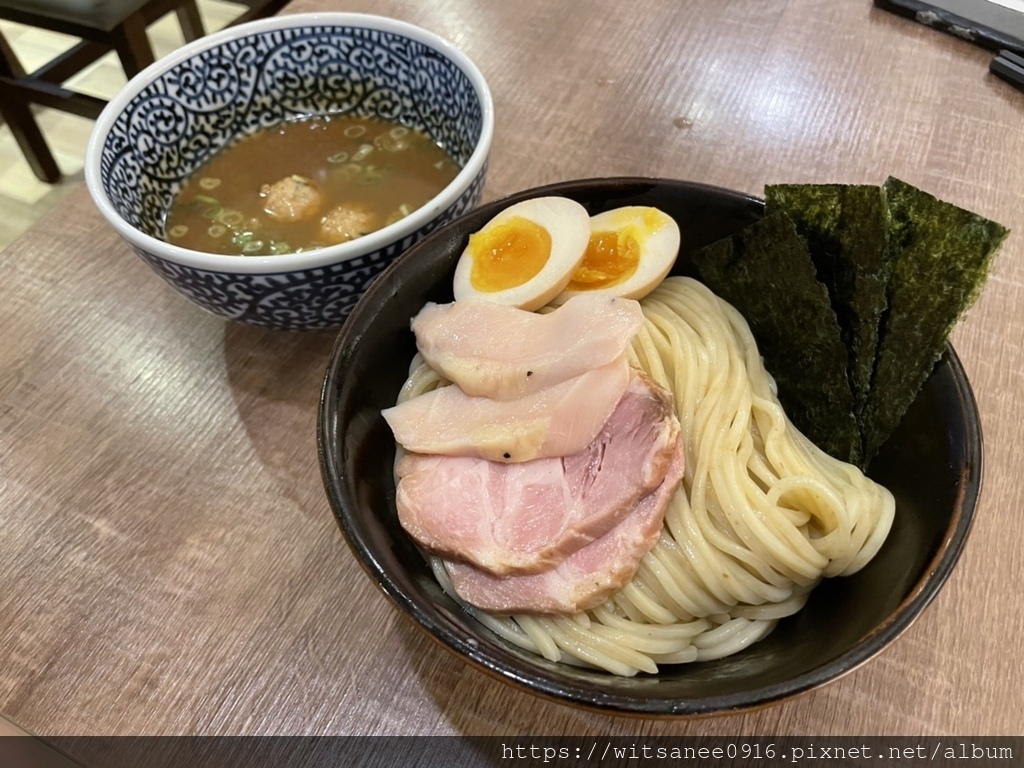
(1009, 66)
(981, 22)
(932, 464)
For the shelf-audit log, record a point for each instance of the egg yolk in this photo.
(611, 258)
(508, 254)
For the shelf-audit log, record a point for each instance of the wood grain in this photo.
(169, 561)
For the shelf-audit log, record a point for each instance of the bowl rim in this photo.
(537, 680)
(475, 165)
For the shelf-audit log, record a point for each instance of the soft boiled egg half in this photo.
(545, 250)
(526, 255)
(629, 252)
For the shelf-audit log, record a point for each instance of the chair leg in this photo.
(18, 116)
(16, 112)
(10, 65)
(190, 20)
(132, 45)
(131, 42)
(258, 9)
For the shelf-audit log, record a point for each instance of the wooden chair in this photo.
(102, 26)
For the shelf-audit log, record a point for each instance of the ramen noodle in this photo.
(761, 517)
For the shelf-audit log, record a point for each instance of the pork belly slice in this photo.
(496, 351)
(559, 420)
(528, 517)
(587, 577)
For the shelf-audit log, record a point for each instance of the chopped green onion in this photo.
(348, 171)
(371, 175)
(217, 230)
(400, 213)
(338, 157)
(362, 153)
(231, 217)
(252, 246)
(355, 131)
(398, 139)
(208, 182)
(207, 199)
(178, 231)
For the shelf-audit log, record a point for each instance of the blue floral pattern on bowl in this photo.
(250, 81)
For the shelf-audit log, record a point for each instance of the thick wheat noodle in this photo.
(761, 517)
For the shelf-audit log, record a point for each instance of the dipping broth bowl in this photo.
(932, 464)
(169, 119)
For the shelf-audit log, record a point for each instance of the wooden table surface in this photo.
(169, 563)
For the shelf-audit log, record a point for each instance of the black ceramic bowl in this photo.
(933, 466)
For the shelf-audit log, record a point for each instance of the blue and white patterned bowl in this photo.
(171, 117)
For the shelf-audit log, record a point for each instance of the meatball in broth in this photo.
(307, 184)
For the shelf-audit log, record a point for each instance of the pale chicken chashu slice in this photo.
(528, 517)
(497, 351)
(559, 420)
(587, 577)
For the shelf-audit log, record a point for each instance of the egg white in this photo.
(568, 224)
(659, 248)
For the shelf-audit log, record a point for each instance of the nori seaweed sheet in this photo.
(847, 232)
(941, 259)
(766, 272)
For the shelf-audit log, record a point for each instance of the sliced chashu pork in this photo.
(587, 577)
(559, 420)
(528, 517)
(501, 352)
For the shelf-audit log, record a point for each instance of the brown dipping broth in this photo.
(307, 184)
